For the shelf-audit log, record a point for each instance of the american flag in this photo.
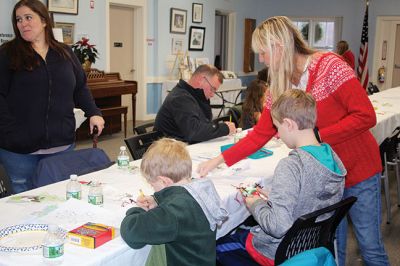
(362, 70)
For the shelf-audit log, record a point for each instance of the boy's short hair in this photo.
(296, 105)
(166, 157)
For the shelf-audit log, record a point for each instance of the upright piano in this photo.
(107, 89)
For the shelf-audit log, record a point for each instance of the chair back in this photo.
(371, 89)
(145, 128)
(139, 144)
(390, 147)
(60, 166)
(235, 112)
(5, 184)
(307, 233)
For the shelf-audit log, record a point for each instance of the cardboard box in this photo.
(91, 235)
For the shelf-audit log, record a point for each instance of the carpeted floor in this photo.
(390, 232)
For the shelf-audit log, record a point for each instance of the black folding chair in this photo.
(5, 184)
(390, 157)
(139, 144)
(307, 233)
(145, 128)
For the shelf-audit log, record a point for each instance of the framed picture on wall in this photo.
(178, 21)
(63, 6)
(197, 13)
(177, 45)
(67, 31)
(196, 38)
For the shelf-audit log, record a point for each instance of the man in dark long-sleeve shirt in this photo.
(186, 112)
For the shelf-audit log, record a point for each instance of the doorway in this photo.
(396, 65)
(221, 37)
(387, 52)
(121, 47)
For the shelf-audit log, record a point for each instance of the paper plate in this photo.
(24, 237)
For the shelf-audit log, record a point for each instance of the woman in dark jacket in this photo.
(41, 81)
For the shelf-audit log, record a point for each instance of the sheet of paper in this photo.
(74, 213)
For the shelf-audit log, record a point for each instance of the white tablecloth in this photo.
(117, 182)
(387, 107)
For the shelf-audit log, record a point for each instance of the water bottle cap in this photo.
(73, 177)
(52, 228)
(122, 148)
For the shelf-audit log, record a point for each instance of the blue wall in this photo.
(92, 22)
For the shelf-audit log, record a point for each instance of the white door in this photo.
(396, 66)
(121, 47)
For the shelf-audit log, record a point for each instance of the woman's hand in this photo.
(146, 202)
(209, 165)
(98, 121)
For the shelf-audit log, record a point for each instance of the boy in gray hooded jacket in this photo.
(180, 219)
(310, 178)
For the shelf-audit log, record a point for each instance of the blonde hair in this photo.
(280, 33)
(166, 157)
(296, 105)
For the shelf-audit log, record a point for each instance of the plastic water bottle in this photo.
(123, 158)
(95, 196)
(238, 135)
(53, 244)
(74, 189)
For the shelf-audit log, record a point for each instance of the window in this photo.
(320, 33)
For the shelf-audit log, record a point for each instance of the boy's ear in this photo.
(166, 180)
(290, 124)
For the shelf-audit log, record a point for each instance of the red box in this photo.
(91, 235)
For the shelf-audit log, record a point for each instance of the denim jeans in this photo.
(21, 167)
(365, 215)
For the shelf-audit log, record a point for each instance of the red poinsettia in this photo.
(85, 51)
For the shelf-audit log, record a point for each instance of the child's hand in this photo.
(146, 202)
(250, 199)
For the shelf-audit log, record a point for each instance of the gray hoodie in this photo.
(301, 184)
(203, 191)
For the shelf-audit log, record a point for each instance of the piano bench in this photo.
(112, 111)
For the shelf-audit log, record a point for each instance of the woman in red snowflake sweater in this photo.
(344, 117)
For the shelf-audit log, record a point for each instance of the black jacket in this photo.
(36, 107)
(186, 115)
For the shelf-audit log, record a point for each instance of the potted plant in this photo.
(86, 53)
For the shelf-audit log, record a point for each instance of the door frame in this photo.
(385, 30)
(139, 48)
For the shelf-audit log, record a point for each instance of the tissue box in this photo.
(91, 235)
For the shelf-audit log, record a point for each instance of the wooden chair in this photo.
(5, 184)
(139, 144)
(145, 128)
(306, 233)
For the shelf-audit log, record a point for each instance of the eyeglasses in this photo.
(214, 90)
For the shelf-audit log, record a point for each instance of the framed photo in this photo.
(67, 31)
(196, 38)
(197, 13)
(177, 45)
(178, 21)
(63, 6)
(202, 61)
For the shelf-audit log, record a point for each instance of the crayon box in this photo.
(91, 235)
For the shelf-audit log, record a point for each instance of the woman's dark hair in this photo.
(21, 52)
(252, 104)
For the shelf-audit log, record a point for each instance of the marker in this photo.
(141, 193)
